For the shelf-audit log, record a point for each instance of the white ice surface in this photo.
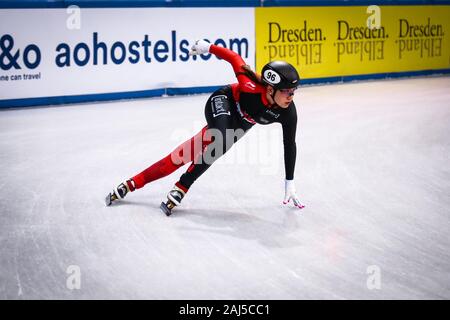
(372, 168)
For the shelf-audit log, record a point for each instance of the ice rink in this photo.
(373, 169)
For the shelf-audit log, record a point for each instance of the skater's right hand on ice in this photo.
(291, 194)
(200, 47)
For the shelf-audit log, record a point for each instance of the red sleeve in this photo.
(233, 58)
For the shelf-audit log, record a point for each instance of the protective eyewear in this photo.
(288, 92)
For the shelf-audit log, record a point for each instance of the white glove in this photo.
(290, 193)
(200, 47)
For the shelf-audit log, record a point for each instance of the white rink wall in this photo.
(116, 50)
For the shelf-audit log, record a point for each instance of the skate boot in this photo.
(120, 192)
(174, 198)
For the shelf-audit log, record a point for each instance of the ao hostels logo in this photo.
(11, 57)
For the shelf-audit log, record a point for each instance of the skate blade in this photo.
(167, 209)
(109, 199)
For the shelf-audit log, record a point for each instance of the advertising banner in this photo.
(354, 40)
(65, 52)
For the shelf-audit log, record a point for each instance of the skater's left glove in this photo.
(290, 194)
(200, 47)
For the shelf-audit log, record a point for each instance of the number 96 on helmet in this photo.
(280, 75)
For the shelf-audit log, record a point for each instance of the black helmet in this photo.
(280, 75)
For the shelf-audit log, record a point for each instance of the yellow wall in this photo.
(335, 41)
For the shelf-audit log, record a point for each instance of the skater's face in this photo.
(282, 97)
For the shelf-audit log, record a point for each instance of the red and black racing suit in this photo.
(238, 107)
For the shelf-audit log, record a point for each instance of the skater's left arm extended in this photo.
(289, 125)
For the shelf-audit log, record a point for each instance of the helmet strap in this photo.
(273, 94)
